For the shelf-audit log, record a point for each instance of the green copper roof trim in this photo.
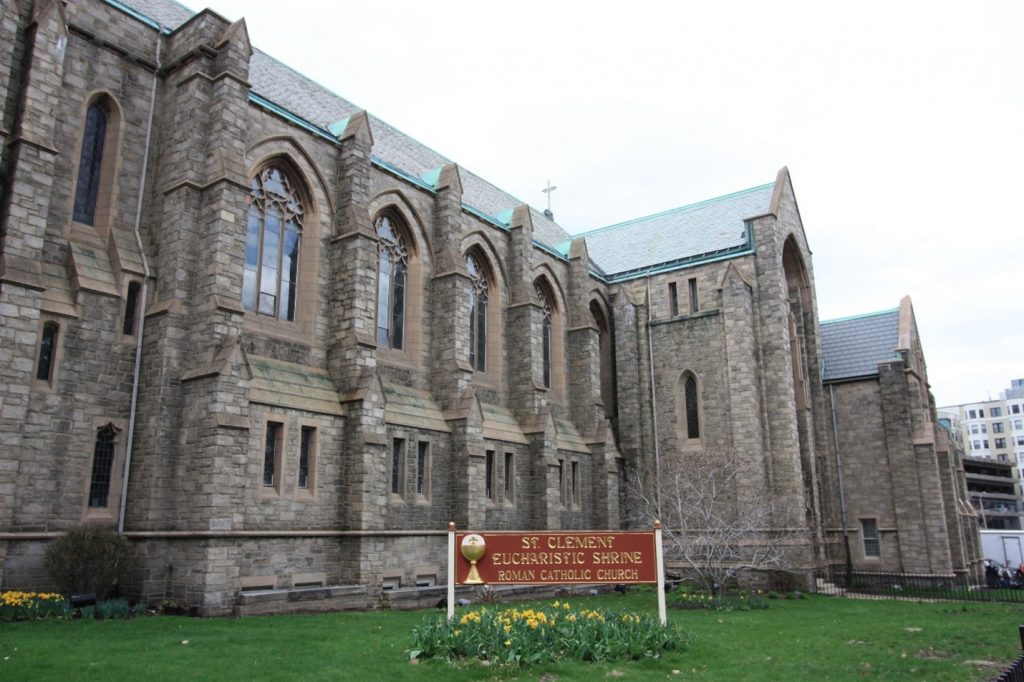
(265, 103)
(861, 316)
(505, 216)
(544, 247)
(134, 13)
(680, 264)
(486, 217)
(688, 207)
(338, 127)
(431, 177)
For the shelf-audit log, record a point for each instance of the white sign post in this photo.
(451, 571)
(660, 558)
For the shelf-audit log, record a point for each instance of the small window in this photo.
(694, 305)
(985, 443)
(1018, 424)
(1000, 443)
(47, 352)
(984, 428)
(981, 413)
(426, 580)
(102, 466)
(397, 462)
(1015, 409)
(673, 299)
(307, 457)
(131, 304)
(692, 408)
(974, 428)
(90, 162)
(510, 477)
(574, 484)
(272, 454)
(561, 481)
(997, 427)
(489, 474)
(869, 529)
(423, 468)
(996, 412)
(972, 414)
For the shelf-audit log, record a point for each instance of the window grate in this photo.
(102, 464)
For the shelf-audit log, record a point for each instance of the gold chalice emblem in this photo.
(473, 549)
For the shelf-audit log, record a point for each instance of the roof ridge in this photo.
(687, 207)
(860, 316)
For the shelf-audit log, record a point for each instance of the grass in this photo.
(813, 638)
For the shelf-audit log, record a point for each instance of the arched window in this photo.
(607, 358)
(546, 339)
(392, 273)
(102, 466)
(47, 352)
(90, 162)
(272, 245)
(691, 399)
(477, 314)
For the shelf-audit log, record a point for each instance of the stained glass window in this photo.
(273, 236)
(391, 277)
(545, 302)
(102, 465)
(89, 163)
(477, 314)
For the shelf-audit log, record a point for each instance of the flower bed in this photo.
(33, 606)
(525, 636)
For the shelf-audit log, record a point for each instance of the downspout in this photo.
(842, 490)
(654, 402)
(143, 293)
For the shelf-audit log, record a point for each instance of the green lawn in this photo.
(810, 639)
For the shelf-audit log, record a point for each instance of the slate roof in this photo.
(698, 231)
(687, 234)
(852, 347)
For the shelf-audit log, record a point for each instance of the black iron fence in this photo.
(837, 580)
(1015, 671)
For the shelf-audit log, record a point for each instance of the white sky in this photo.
(902, 124)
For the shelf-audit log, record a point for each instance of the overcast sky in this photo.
(902, 124)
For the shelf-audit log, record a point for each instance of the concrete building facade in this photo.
(280, 345)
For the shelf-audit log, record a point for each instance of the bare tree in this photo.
(715, 526)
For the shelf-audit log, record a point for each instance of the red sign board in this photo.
(520, 558)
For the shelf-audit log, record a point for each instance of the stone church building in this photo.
(280, 344)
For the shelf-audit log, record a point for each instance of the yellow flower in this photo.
(508, 642)
(532, 623)
(556, 604)
(508, 629)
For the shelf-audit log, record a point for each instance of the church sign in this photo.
(555, 557)
(521, 558)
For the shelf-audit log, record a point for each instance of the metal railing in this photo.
(836, 580)
(1015, 671)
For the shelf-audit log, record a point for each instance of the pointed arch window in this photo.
(548, 310)
(102, 466)
(477, 314)
(392, 274)
(90, 162)
(692, 402)
(273, 236)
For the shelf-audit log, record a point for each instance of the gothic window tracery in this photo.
(548, 310)
(273, 237)
(477, 314)
(392, 273)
